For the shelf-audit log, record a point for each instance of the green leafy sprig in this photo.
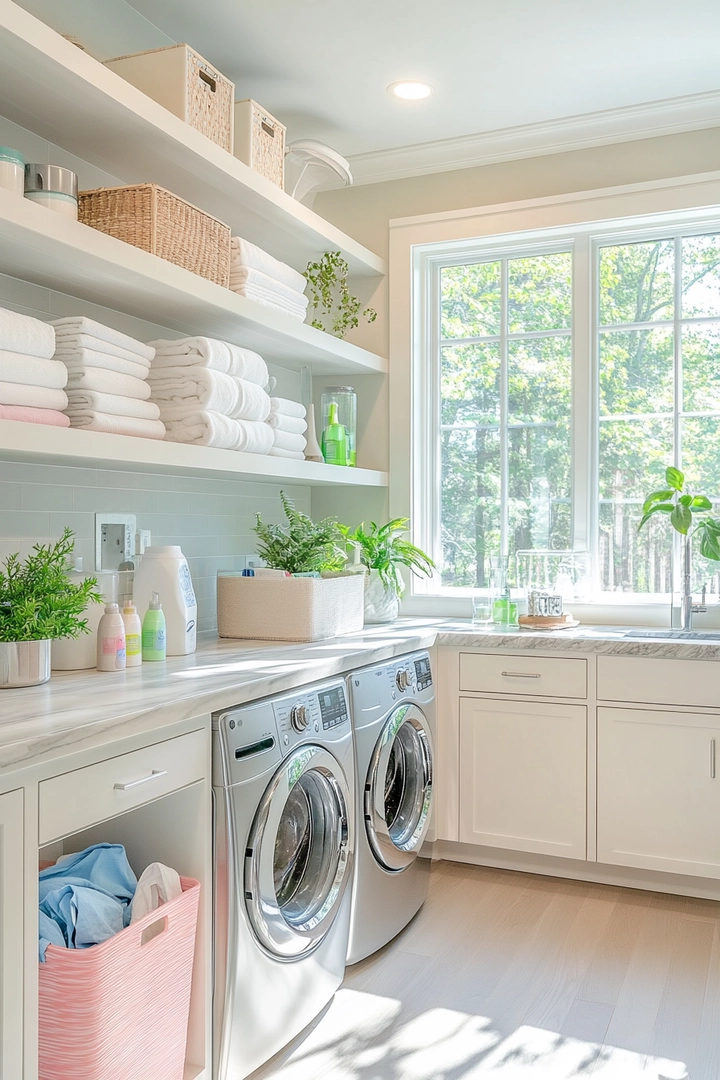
(336, 309)
(302, 545)
(37, 599)
(383, 548)
(684, 510)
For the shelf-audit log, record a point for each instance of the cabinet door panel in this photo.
(523, 776)
(11, 935)
(659, 790)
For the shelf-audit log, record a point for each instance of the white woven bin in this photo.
(289, 609)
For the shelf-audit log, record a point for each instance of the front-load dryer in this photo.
(393, 710)
(284, 841)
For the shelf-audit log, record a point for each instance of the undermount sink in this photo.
(689, 635)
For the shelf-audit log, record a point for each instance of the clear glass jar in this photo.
(339, 425)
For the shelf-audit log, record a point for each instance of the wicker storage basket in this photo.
(149, 217)
(289, 609)
(260, 140)
(182, 81)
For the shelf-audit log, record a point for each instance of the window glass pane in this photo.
(701, 275)
(539, 292)
(701, 368)
(470, 504)
(630, 561)
(470, 384)
(539, 496)
(701, 463)
(470, 300)
(539, 379)
(636, 283)
(636, 372)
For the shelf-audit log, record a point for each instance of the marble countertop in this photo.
(79, 710)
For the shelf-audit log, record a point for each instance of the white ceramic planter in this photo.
(381, 604)
(24, 663)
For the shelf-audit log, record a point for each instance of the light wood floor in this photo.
(511, 977)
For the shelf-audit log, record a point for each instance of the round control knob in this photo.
(299, 717)
(402, 679)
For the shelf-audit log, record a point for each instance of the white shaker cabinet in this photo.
(523, 779)
(11, 937)
(659, 790)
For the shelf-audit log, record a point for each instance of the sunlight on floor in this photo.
(365, 1037)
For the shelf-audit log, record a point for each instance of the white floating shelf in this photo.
(95, 449)
(41, 246)
(59, 92)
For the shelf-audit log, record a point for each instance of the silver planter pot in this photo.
(24, 663)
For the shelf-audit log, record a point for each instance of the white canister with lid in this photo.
(52, 187)
(165, 570)
(77, 654)
(12, 170)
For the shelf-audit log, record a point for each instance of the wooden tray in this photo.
(547, 622)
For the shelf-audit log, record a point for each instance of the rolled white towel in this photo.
(246, 275)
(38, 397)
(79, 324)
(70, 343)
(193, 388)
(23, 334)
(87, 401)
(279, 303)
(118, 425)
(208, 428)
(277, 451)
(246, 254)
(31, 370)
(293, 424)
(286, 407)
(212, 353)
(107, 382)
(80, 359)
(284, 440)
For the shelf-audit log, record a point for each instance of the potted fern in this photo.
(38, 603)
(384, 550)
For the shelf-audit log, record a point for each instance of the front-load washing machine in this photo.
(393, 710)
(284, 841)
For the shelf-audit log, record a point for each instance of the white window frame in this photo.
(581, 221)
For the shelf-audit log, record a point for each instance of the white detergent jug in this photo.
(164, 570)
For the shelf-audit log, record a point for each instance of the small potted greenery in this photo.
(384, 550)
(38, 603)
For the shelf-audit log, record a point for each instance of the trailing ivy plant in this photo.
(684, 510)
(336, 309)
(302, 545)
(383, 548)
(37, 599)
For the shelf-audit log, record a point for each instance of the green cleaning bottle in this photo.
(153, 631)
(334, 439)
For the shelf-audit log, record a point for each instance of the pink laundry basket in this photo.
(119, 1011)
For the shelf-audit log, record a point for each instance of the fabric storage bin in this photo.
(289, 609)
(119, 1010)
(152, 218)
(260, 141)
(184, 83)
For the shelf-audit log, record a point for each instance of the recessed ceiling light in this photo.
(411, 91)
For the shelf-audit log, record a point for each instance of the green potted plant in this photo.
(302, 546)
(335, 309)
(384, 550)
(38, 603)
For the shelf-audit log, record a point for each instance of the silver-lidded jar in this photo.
(53, 187)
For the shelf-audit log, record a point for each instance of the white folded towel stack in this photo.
(258, 276)
(107, 374)
(288, 425)
(208, 428)
(29, 378)
(214, 354)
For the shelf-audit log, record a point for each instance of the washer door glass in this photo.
(398, 792)
(299, 853)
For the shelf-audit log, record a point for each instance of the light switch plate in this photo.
(114, 539)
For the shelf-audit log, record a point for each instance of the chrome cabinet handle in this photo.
(519, 675)
(712, 759)
(154, 775)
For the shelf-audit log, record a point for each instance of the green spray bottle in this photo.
(153, 631)
(334, 439)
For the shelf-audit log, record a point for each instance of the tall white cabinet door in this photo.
(659, 790)
(523, 776)
(11, 935)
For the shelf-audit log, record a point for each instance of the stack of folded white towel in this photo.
(31, 382)
(260, 277)
(211, 393)
(107, 384)
(288, 423)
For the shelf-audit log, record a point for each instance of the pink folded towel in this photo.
(27, 415)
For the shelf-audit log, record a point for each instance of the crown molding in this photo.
(655, 118)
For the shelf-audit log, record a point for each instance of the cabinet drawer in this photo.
(541, 676)
(84, 797)
(658, 682)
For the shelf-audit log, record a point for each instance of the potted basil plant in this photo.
(39, 602)
(384, 550)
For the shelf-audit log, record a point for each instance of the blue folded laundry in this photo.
(85, 898)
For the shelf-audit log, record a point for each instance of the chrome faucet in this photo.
(687, 608)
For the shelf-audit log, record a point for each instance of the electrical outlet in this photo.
(143, 540)
(114, 540)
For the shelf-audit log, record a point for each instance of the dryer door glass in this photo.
(299, 854)
(398, 793)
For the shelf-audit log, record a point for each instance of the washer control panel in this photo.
(423, 672)
(333, 707)
(303, 715)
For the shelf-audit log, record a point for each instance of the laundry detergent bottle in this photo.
(153, 632)
(164, 570)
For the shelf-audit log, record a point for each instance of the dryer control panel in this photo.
(302, 716)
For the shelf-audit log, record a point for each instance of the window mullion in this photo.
(504, 445)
